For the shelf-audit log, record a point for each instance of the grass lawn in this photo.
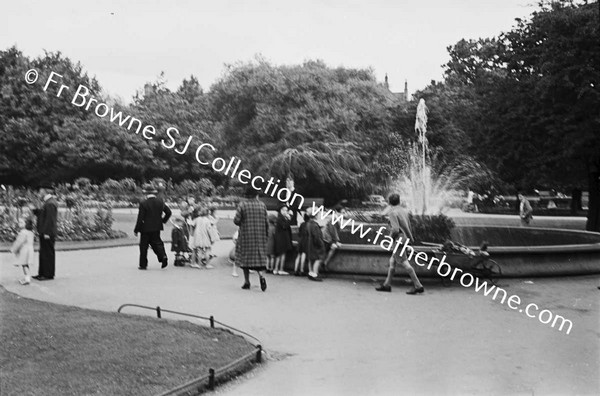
(50, 349)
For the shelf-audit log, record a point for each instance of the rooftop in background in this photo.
(397, 96)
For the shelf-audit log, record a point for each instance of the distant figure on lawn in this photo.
(251, 246)
(525, 210)
(149, 224)
(400, 229)
(46, 228)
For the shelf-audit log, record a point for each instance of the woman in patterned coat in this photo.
(250, 250)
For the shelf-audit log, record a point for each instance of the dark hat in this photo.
(251, 192)
(149, 189)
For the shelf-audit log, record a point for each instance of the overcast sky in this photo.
(127, 43)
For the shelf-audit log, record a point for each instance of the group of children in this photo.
(316, 244)
(195, 232)
(192, 237)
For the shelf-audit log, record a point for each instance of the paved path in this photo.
(340, 337)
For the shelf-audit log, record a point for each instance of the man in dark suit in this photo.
(149, 224)
(46, 228)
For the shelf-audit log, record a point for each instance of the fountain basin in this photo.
(520, 252)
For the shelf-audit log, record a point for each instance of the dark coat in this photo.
(150, 217)
(251, 246)
(179, 239)
(315, 247)
(302, 238)
(283, 235)
(47, 218)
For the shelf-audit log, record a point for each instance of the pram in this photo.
(180, 238)
(477, 262)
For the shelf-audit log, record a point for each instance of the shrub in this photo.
(83, 184)
(83, 225)
(111, 186)
(206, 187)
(431, 228)
(128, 185)
(186, 187)
(71, 201)
(76, 225)
(8, 225)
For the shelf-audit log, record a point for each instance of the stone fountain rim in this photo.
(509, 249)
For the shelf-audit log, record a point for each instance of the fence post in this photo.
(211, 379)
(259, 354)
(158, 312)
(212, 321)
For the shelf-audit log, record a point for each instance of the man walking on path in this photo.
(46, 228)
(149, 224)
(251, 246)
(400, 228)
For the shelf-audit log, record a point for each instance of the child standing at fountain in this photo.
(302, 242)
(400, 229)
(283, 240)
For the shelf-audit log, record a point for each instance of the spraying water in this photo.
(422, 189)
(421, 129)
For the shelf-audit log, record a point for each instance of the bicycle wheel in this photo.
(492, 270)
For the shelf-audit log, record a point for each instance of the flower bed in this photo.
(77, 224)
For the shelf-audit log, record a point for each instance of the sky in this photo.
(128, 43)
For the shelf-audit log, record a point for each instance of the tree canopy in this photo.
(527, 102)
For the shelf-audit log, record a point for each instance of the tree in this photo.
(187, 111)
(317, 125)
(30, 118)
(535, 95)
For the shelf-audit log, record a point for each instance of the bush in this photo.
(8, 225)
(83, 225)
(82, 184)
(186, 187)
(206, 187)
(111, 186)
(128, 185)
(431, 228)
(76, 225)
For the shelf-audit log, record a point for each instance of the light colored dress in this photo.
(23, 247)
(202, 232)
(214, 232)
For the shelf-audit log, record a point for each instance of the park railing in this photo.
(210, 379)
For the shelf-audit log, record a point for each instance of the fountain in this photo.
(422, 188)
(519, 251)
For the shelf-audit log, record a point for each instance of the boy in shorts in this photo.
(400, 228)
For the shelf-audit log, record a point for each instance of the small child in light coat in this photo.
(213, 231)
(201, 240)
(22, 248)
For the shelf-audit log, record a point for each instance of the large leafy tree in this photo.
(31, 119)
(557, 56)
(320, 126)
(185, 109)
(528, 100)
